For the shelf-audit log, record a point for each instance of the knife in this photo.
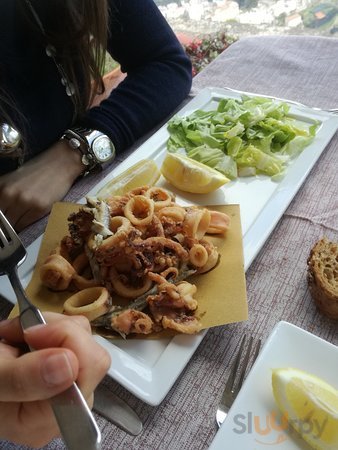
(116, 410)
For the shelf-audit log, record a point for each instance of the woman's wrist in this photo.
(69, 159)
(96, 148)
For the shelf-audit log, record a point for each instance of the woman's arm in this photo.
(27, 194)
(158, 73)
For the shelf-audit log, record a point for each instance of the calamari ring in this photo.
(213, 259)
(141, 190)
(143, 324)
(127, 291)
(198, 255)
(139, 210)
(119, 223)
(196, 222)
(219, 222)
(81, 282)
(176, 213)
(91, 303)
(160, 197)
(120, 226)
(56, 273)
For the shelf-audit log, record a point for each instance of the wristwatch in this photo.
(96, 148)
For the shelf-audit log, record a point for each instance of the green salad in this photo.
(242, 137)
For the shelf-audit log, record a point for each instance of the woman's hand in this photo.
(65, 352)
(27, 194)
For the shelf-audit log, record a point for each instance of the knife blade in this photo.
(116, 410)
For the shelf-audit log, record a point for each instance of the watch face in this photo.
(103, 149)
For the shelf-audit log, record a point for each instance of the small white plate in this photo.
(249, 424)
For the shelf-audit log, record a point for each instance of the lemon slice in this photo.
(191, 176)
(310, 404)
(145, 172)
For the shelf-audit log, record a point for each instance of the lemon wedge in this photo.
(145, 172)
(191, 176)
(310, 404)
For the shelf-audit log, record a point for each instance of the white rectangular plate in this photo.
(149, 368)
(248, 424)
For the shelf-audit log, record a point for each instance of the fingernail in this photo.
(34, 327)
(57, 370)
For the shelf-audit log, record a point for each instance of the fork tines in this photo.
(6, 231)
(12, 251)
(236, 376)
(235, 385)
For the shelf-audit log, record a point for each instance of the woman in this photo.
(51, 60)
(65, 351)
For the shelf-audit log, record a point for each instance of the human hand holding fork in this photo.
(70, 338)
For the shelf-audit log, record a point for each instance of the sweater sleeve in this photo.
(158, 73)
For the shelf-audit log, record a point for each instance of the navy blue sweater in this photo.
(159, 76)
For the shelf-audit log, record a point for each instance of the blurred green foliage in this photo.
(319, 14)
(205, 49)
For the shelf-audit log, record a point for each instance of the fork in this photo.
(236, 378)
(76, 422)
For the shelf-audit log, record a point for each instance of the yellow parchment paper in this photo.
(221, 293)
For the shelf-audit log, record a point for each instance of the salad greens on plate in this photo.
(242, 137)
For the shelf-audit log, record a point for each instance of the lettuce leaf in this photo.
(247, 136)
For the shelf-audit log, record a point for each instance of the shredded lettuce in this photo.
(242, 137)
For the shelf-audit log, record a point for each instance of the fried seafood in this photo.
(141, 247)
(57, 273)
(161, 197)
(219, 223)
(91, 303)
(132, 321)
(173, 306)
(196, 222)
(109, 321)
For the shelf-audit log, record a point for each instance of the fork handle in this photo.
(76, 421)
(29, 314)
(30, 317)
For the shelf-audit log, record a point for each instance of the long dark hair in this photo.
(79, 36)
(80, 40)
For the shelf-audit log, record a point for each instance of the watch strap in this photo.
(80, 138)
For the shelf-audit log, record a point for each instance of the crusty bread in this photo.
(323, 276)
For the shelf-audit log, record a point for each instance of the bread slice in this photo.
(322, 276)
